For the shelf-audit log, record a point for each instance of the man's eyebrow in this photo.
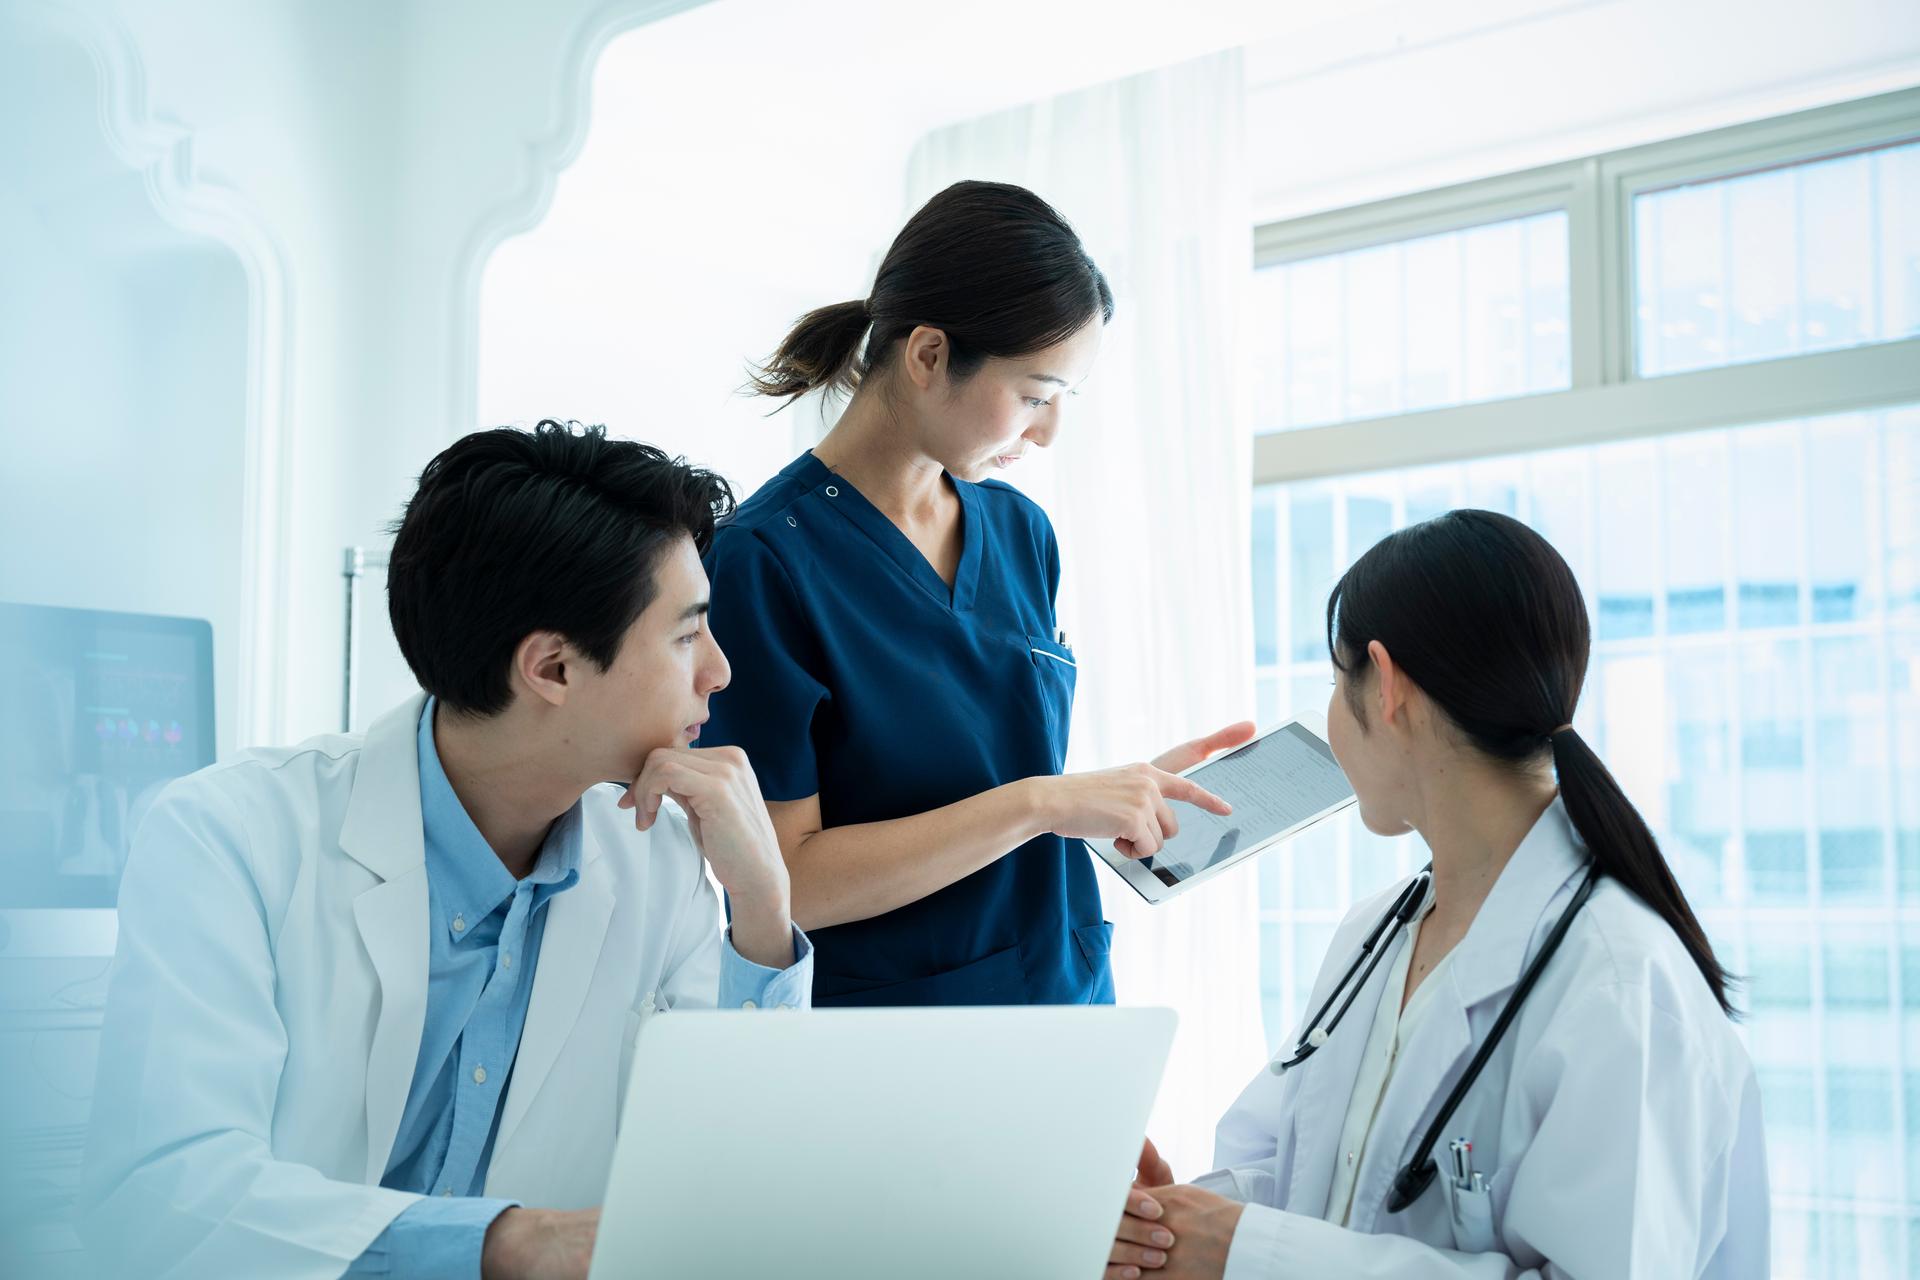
(695, 610)
(1047, 377)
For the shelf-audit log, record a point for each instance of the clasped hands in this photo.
(1175, 1232)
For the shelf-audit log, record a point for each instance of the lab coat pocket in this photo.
(1470, 1210)
(1056, 671)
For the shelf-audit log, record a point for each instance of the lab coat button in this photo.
(479, 1075)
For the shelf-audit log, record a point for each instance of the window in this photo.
(1710, 403)
(1443, 319)
(1801, 257)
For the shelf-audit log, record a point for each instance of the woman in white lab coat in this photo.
(1614, 1119)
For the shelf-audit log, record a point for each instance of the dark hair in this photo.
(553, 529)
(1483, 614)
(992, 266)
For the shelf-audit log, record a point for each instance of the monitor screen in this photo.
(98, 711)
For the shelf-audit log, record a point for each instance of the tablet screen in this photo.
(1273, 783)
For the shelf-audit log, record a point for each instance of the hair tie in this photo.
(1565, 728)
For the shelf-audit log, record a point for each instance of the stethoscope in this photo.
(1414, 1178)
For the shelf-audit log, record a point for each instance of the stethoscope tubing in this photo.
(1396, 916)
(1418, 1173)
(1414, 1178)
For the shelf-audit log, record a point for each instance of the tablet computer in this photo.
(1279, 784)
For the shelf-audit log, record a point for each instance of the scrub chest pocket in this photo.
(1055, 674)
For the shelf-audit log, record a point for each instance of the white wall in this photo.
(123, 361)
(359, 158)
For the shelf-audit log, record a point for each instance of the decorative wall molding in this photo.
(542, 161)
(161, 152)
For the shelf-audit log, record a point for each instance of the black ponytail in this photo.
(992, 266)
(820, 352)
(1484, 615)
(1625, 849)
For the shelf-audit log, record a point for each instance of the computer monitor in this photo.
(98, 711)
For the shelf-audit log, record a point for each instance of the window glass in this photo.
(1462, 316)
(1806, 257)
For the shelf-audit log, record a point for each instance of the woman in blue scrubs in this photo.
(900, 683)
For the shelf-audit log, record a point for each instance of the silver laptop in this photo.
(880, 1143)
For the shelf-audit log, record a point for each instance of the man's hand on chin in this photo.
(728, 821)
(539, 1244)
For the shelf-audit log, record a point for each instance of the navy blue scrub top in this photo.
(859, 675)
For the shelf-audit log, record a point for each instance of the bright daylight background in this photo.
(1635, 247)
(1644, 273)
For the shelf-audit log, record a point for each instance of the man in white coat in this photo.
(374, 997)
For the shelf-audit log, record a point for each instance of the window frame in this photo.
(1607, 400)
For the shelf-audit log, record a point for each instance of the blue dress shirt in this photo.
(483, 948)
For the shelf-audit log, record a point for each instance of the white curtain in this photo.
(1149, 488)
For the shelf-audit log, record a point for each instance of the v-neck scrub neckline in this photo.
(861, 677)
(850, 503)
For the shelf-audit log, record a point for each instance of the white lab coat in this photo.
(268, 995)
(1617, 1125)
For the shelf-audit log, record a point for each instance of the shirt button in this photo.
(506, 960)
(748, 1004)
(459, 924)
(446, 1191)
(480, 1077)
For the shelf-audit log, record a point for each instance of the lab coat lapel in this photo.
(1326, 1090)
(1427, 1069)
(569, 953)
(1481, 971)
(382, 831)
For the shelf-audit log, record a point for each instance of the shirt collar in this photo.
(466, 874)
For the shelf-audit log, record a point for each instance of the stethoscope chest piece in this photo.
(1410, 1184)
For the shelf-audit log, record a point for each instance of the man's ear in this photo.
(540, 667)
